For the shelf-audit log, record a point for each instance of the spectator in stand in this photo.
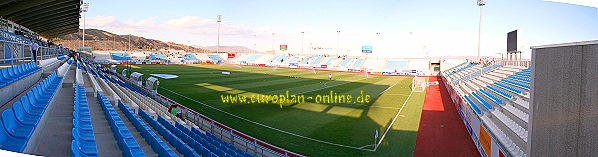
(34, 48)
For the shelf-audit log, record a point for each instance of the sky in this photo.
(406, 28)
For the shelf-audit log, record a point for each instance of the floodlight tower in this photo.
(338, 41)
(302, 37)
(84, 10)
(377, 44)
(481, 3)
(218, 46)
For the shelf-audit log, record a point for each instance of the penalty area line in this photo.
(387, 89)
(269, 127)
(393, 121)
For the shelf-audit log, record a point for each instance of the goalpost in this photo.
(419, 84)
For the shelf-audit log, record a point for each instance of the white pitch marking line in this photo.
(393, 121)
(388, 88)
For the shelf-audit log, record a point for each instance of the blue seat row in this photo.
(83, 143)
(526, 70)
(15, 73)
(19, 123)
(461, 69)
(183, 148)
(473, 106)
(500, 92)
(210, 142)
(124, 138)
(229, 148)
(490, 96)
(481, 100)
(152, 139)
(524, 80)
(523, 74)
(508, 88)
(516, 84)
(192, 141)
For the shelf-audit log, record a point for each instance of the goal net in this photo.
(419, 84)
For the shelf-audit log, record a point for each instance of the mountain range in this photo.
(103, 40)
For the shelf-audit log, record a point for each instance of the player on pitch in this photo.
(330, 77)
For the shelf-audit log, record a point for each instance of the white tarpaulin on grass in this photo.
(165, 76)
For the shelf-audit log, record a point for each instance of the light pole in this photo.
(302, 37)
(218, 46)
(84, 10)
(480, 3)
(129, 42)
(338, 41)
(272, 46)
(254, 36)
(377, 45)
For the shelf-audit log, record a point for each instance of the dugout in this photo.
(113, 68)
(124, 73)
(152, 83)
(137, 78)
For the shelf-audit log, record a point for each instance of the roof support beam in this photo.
(24, 5)
(51, 16)
(38, 12)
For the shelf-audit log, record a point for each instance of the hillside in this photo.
(238, 49)
(102, 40)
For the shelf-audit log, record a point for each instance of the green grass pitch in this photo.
(348, 123)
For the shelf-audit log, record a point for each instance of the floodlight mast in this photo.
(302, 37)
(377, 45)
(338, 41)
(84, 10)
(480, 3)
(218, 46)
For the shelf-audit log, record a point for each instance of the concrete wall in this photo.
(564, 94)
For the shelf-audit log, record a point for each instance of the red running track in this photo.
(441, 130)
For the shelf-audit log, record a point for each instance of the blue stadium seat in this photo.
(500, 92)
(482, 101)
(473, 105)
(10, 143)
(14, 128)
(490, 96)
(88, 148)
(508, 88)
(22, 116)
(516, 84)
(83, 134)
(30, 100)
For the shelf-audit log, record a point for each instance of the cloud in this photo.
(193, 25)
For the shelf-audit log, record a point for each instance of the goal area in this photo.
(419, 84)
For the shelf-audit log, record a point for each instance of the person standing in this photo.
(34, 48)
(330, 77)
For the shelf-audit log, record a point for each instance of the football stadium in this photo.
(490, 79)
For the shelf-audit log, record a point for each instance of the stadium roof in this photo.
(49, 18)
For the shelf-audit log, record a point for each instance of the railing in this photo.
(480, 73)
(237, 138)
(526, 64)
(22, 51)
(455, 67)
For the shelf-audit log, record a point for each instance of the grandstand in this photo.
(215, 57)
(498, 95)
